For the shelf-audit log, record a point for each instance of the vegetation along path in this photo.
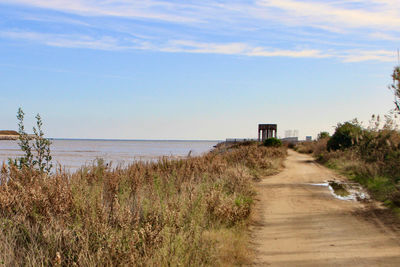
(300, 224)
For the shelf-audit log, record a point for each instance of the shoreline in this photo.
(8, 137)
(15, 137)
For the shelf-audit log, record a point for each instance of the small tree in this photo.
(41, 159)
(395, 87)
(323, 135)
(346, 135)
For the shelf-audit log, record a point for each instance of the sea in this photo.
(71, 154)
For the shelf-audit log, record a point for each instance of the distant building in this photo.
(309, 138)
(291, 133)
(288, 133)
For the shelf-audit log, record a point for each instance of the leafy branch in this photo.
(36, 148)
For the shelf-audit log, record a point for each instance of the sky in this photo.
(155, 69)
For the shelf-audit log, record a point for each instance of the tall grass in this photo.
(189, 212)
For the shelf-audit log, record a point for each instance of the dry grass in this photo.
(314, 147)
(189, 212)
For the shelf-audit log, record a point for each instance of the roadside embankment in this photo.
(187, 212)
(369, 156)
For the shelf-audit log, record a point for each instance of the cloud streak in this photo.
(313, 13)
(351, 13)
(157, 10)
(238, 49)
(351, 31)
(187, 46)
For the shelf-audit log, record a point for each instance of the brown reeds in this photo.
(167, 213)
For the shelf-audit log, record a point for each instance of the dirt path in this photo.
(304, 225)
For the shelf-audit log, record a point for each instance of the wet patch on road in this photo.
(345, 191)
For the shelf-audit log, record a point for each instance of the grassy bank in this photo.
(369, 156)
(189, 212)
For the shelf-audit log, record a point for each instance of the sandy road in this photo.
(304, 225)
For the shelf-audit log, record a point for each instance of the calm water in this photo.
(74, 153)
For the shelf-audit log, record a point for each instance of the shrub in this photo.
(37, 155)
(272, 142)
(346, 135)
(317, 147)
(305, 147)
(323, 135)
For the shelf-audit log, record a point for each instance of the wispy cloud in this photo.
(385, 36)
(352, 30)
(329, 13)
(238, 49)
(364, 55)
(117, 8)
(338, 14)
(183, 46)
(63, 40)
(188, 46)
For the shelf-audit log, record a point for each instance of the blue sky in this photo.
(195, 69)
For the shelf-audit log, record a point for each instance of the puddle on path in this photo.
(345, 191)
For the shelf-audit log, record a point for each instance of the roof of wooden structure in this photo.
(267, 126)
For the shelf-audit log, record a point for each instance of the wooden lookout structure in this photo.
(266, 131)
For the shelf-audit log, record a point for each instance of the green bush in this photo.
(346, 135)
(272, 142)
(323, 135)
